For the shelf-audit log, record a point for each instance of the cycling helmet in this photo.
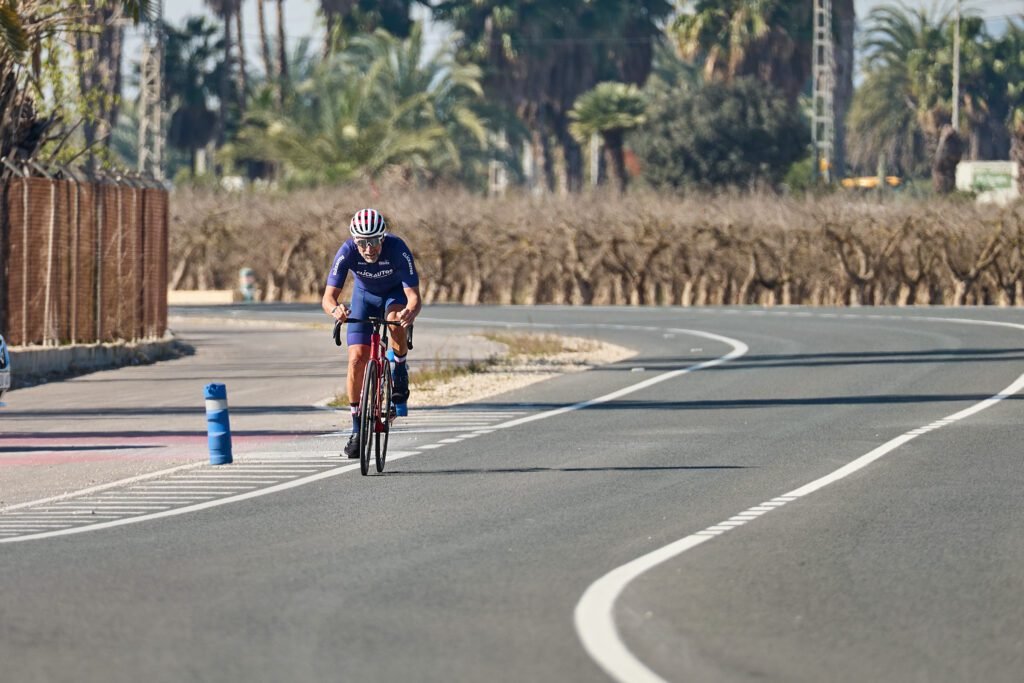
(367, 223)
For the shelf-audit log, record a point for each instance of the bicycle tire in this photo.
(386, 390)
(366, 419)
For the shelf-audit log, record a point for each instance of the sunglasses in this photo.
(368, 242)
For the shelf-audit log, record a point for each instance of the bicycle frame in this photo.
(377, 409)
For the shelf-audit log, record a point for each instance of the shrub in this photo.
(741, 134)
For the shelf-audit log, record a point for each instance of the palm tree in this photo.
(1017, 145)
(453, 90)
(355, 117)
(538, 57)
(282, 56)
(243, 75)
(883, 127)
(333, 12)
(268, 64)
(609, 110)
(771, 40)
(905, 101)
(225, 10)
(767, 39)
(191, 80)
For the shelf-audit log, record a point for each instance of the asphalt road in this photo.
(484, 552)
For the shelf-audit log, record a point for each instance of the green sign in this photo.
(991, 180)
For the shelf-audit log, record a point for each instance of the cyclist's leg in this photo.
(399, 346)
(396, 301)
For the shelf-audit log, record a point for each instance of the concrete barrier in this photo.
(202, 297)
(32, 364)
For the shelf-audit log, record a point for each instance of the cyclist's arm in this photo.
(332, 306)
(412, 309)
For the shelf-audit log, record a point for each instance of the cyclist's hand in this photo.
(340, 313)
(406, 316)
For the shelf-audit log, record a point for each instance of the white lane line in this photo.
(738, 349)
(430, 446)
(594, 615)
(452, 440)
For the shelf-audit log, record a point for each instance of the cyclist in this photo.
(386, 285)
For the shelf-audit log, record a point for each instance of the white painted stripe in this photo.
(738, 349)
(213, 404)
(114, 506)
(235, 479)
(429, 447)
(594, 615)
(455, 440)
(65, 515)
(103, 487)
(276, 467)
(201, 506)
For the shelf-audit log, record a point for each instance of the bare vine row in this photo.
(640, 250)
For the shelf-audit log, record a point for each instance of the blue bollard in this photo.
(218, 428)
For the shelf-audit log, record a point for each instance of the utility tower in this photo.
(823, 69)
(151, 110)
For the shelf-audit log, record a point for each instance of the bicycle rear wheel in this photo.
(386, 388)
(368, 406)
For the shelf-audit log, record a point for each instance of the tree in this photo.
(609, 110)
(268, 64)
(771, 40)
(192, 78)
(539, 56)
(377, 106)
(766, 39)
(908, 83)
(453, 92)
(283, 85)
(724, 134)
(345, 19)
(225, 10)
(28, 31)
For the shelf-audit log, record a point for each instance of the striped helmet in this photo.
(367, 223)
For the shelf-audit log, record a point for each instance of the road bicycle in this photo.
(377, 409)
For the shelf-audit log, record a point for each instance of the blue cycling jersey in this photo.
(393, 268)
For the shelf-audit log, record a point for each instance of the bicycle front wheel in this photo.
(385, 403)
(367, 421)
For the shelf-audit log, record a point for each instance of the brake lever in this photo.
(337, 333)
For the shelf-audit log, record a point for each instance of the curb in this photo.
(35, 365)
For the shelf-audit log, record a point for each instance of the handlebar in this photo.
(371, 320)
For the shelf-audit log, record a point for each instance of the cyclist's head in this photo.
(367, 228)
(367, 223)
